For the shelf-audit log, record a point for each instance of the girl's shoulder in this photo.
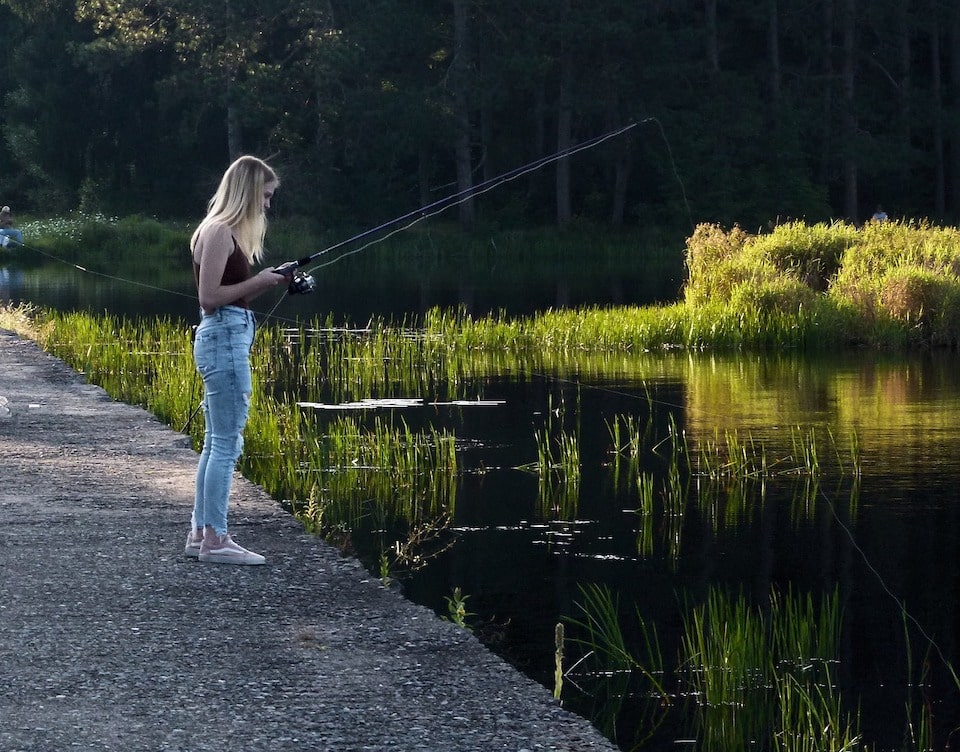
(215, 233)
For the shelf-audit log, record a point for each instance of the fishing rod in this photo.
(304, 283)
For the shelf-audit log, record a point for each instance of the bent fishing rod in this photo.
(303, 283)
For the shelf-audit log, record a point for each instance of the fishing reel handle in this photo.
(287, 269)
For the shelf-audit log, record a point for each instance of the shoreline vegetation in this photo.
(803, 288)
(886, 285)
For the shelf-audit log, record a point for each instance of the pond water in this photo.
(880, 526)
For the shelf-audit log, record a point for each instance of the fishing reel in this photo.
(301, 284)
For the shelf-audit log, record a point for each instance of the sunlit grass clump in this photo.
(887, 284)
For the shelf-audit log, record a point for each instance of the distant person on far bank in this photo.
(879, 215)
(224, 246)
(7, 231)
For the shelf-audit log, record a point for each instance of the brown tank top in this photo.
(237, 270)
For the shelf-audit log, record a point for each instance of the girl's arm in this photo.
(212, 250)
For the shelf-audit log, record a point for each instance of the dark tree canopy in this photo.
(750, 112)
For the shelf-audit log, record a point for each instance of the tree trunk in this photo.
(423, 175)
(850, 190)
(234, 131)
(712, 44)
(564, 126)
(904, 91)
(622, 148)
(826, 119)
(936, 88)
(486, 142)
(954, 104)
(462, 63)
(773, 50)
(540, 110)
(623, 169)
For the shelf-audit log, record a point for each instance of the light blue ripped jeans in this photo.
(221, 351)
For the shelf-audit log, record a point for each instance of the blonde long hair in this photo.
(238, 203)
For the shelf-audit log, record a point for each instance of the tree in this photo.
(461, 76)
(240, 49)
(47, 151)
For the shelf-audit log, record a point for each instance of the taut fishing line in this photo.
(410, 219)
(302, 282)
(95, 273)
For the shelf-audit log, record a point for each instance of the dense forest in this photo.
(746, 112)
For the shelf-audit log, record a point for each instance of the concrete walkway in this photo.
(110, 639)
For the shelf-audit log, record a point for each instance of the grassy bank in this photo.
(886, 285)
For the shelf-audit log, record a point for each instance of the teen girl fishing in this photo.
(225, 246)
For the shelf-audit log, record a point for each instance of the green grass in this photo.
(886, 285)
(807, 287)
(746, 676)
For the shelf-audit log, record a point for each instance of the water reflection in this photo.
(11, 283)
(353, 290)
(886, 535)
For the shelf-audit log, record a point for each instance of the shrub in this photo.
(777, 295)
(811, 254)
(926, 302)
(713, 263)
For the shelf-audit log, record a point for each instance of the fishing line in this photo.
(408, 220)
(431, 210)
(896, 599)
(95, 273)
(412, 218)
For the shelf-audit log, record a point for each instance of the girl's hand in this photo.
(286, 269)
(271, 277)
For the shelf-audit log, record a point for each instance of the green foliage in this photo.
(810, 253)
(125, 105)
(457, 609)
(133, 243)
(887, 284)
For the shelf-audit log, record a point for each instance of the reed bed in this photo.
(409, 475)
(335, 475)
(349, 471)
(756, 675)
(747, 676)
(724, 477)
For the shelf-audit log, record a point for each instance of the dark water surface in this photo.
(356, 289)
(885, 539)
(890, 537)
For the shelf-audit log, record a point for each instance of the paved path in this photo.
(110, 639)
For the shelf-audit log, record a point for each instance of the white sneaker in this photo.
(192, 548)
(221, 549)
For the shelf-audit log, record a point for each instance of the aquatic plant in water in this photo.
(748, 677)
